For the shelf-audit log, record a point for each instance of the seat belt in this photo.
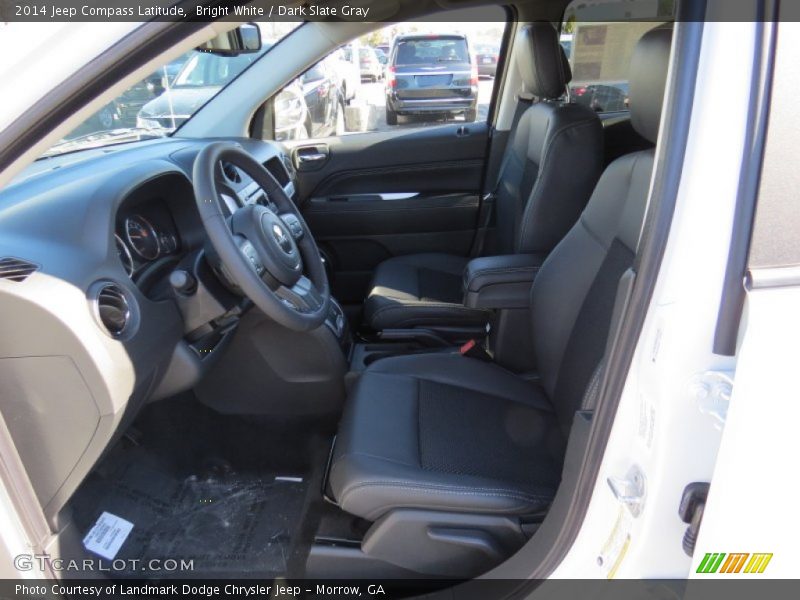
(489, 200)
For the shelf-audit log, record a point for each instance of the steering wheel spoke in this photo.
(303, 296)
(251, 255)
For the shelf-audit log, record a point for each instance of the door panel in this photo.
(384, 194)
(400, 160)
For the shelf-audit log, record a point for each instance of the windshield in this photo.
(166, 98)
(204, 69)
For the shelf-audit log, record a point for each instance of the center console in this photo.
(500, 285)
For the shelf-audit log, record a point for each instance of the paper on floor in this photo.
(107, 535)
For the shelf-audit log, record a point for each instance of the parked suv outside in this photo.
(431, 74)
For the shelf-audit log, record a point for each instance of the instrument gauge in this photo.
(142, 237)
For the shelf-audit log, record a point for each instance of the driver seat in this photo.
(443, 432)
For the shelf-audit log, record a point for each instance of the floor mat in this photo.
(227, 523)
(200, 496)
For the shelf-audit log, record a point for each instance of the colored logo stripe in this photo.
(758, 563)
(734, 563)
(713, 562)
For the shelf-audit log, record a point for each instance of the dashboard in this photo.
(98, 328)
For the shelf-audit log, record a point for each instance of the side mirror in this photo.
(245, 39)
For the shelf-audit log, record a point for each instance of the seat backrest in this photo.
(574, 292)
(538, 199)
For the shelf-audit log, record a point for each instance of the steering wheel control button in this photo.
(252, 256)
(293, 224)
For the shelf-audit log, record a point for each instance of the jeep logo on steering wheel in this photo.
(283, 240)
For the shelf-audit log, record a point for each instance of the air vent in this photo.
(231, 172)
(113, 309)
(15, 269)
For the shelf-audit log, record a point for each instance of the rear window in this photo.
(431, 51)
(598, 39)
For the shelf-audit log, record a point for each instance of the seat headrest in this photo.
(542, 62)
(647, 80)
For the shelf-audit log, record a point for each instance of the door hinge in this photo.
(693, 503)
(712, 392)
(630, 490)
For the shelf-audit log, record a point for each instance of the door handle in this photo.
(311, 158)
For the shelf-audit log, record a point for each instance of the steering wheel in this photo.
(270, 256)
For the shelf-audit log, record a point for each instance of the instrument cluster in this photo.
(142, 240)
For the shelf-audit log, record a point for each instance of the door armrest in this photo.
(495, 282)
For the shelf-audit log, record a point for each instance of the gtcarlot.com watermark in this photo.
(40, 562)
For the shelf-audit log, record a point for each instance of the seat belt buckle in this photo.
(473, 349)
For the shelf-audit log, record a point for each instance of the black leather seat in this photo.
(537, 199)
(449, 433)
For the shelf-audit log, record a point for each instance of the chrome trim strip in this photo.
(416, 73)
(433, 100)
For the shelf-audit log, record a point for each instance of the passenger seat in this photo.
(448, 453)
(550, 167)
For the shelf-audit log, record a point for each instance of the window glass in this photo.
(430, 51)
(599, 40)
(166, 98)
(404, 75)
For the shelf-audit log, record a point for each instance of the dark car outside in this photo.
(201, 77)
(124, 109)
(431, 74)
(324, 100)
(487, 57)
(602, 97)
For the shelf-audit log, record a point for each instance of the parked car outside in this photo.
(487, 56)
(430, 74)
(602, 97)
(310, 106)
(201, 77)
(371, 67)
(291, 113)
(323, 99)
(349, 72)
(123, 110)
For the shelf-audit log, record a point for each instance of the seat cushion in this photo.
(419, 290)
(445, 432)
